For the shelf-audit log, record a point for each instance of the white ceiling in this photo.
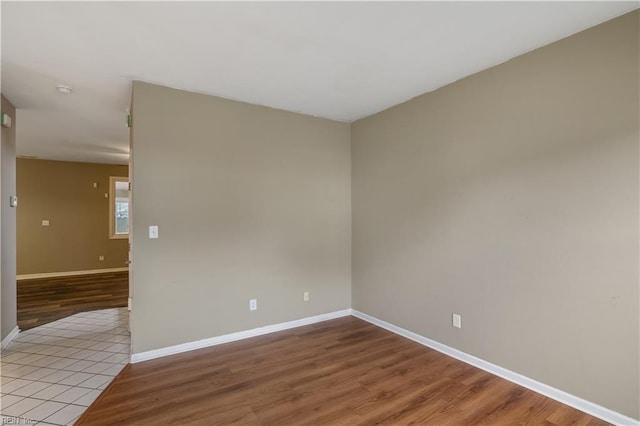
(336, 60)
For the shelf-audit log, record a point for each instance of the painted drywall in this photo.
(511, 197)
(8, 222)
(62, 192)
(251, 202)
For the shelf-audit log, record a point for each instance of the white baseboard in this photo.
(70, 273)
(227, 338)
(13, 333)
(541, 388)
(546, 390)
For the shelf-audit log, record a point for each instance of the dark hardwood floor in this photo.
(338, 372)
(45, 300)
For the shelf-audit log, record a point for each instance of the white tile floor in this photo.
(52, 373)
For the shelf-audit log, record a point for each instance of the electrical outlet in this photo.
(457, 321)
(253, 304)
(305, 296)
(45, 222)
(100, 258)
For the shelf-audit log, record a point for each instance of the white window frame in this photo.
(112, 207)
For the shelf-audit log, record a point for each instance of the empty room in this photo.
(320, 213)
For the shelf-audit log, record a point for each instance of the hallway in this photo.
(52, 373)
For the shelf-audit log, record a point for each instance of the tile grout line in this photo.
(105, 329)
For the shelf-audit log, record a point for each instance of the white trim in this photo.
(546, 390)
(112, 205)
(13, 333)
(226, 338)
(70, 273)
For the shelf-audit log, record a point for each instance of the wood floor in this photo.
(45, 300)
(338, 372)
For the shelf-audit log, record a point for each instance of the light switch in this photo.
(153, 231)
(5, 119)
(45, 222)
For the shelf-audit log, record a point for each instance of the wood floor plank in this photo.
(43, 300)
(339, 372)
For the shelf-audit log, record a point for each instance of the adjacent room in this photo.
(321, 213)
(72, 248)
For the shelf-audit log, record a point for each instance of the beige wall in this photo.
(8, 223)
(78, 232)
(511, 198)
(251, 202)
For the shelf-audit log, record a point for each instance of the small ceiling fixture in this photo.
(65, 90)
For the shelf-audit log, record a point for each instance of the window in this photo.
(119, 207)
